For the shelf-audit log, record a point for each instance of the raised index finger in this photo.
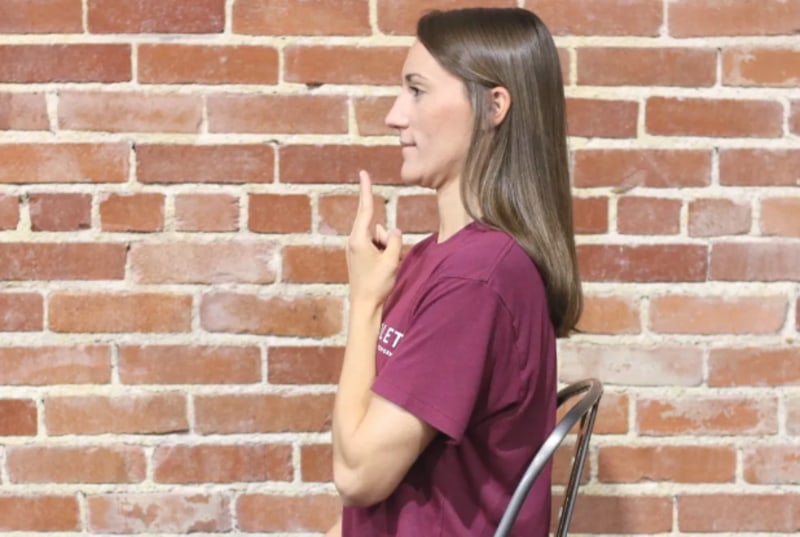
(361, 225)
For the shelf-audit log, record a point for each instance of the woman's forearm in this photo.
(355, 382)
(336, 530)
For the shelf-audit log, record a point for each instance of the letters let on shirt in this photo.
(388, 339)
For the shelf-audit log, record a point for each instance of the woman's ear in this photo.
(501, 102)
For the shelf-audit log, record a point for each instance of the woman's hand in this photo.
(372, 257)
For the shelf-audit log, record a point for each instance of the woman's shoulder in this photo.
(487, 254)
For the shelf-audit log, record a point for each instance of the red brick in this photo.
(738, 512)
(337, 211)
(42, 366)
(793, 415)
(176, 364)
(159, 513)
(659, 168)
(23, 111)
(690, 18)
(320, 64)
(759, 167)
(590, 215)
(135, 312)
(142, 212)
(255, 413)
(599, 17)
(682, 314)
(713, 117)
(84, 464)
(314, 264)
(371, 112)
(41, 17)
(755, 262)
(154, 413)
(753, 366)
(205, 163)
(716, 217)
(206, 212)
(619, 515)
(276, 315)
(17, 418)
(207, 64)
(772, 464)
(780, 216)
(304, 365)
(794, 118)
(129, 112)
(707, 416)
(60, 212)
(316, 463)
(751, 66)
(21, 312)
(64, 163)
(600, 118)
(400, 16)
(183, 262)
(273, 513)
(612, 415)
(42, 512)
(156, 16)
(609, 315)
(681, 464)
(222, 464)
(290, 114)
(9, 212)
(65, 261)
(648, 216)
(339, 163)
(65, 63)
(643, 263)
(619, 66)
(632, 365)
(279, 213)
(417, 213)
(299, 17)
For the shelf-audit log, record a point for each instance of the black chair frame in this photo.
(585, 411)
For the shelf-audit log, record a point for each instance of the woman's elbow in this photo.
(357, 489)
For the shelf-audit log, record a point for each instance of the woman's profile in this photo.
(448, 385)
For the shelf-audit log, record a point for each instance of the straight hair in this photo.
(516, 175)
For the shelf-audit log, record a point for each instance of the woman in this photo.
(448, 385)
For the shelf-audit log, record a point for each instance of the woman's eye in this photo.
(416, 92)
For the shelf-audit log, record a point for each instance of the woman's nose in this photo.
(397, 118)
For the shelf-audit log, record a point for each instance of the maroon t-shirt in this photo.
(467, 346)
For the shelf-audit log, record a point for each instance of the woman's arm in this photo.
(336, 530)
(374, 441)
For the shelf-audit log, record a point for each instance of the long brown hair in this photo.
(516, 176)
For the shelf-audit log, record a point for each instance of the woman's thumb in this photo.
(394, 244)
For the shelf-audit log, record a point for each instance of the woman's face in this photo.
(434, 120)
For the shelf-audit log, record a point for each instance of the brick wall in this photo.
(176, 182)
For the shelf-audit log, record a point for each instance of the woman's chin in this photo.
(415, 178)
(410, 178)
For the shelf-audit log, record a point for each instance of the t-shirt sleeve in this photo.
(437, 372)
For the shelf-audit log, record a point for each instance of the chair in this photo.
(584, 410)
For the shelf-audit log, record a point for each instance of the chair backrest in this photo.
(585, 411)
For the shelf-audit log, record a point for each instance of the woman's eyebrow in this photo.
(409, 77)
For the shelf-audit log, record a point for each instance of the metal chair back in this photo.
(584, 411)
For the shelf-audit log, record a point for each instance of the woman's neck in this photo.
(452, 214)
